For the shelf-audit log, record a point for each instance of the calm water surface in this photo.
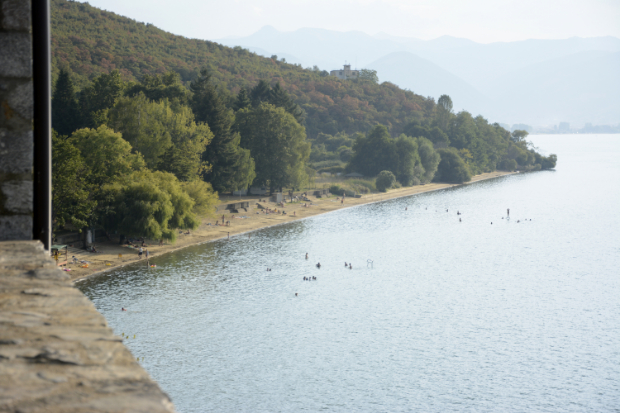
(453, 316)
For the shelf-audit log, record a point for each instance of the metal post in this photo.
(41, 75)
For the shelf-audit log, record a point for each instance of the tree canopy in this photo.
(277, 144)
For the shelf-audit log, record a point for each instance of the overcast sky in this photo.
(483, 21)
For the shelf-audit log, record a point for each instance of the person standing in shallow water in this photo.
(508, 212)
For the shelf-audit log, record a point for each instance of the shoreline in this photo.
(111, 258)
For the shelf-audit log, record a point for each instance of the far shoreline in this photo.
(109, 258)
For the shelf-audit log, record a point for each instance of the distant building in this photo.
(345, 73)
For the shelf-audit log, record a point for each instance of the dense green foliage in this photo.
(452, 168)
(277, 144)
(65, 118)
(411, 160)
(385, 181)
(70, 185)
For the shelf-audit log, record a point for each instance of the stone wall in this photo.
(57, 353)
(16, 114)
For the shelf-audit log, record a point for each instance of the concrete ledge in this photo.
(57, 353)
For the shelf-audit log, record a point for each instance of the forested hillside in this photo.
(149, 127)
(88, 41)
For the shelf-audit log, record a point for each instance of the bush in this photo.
(549, 162)
(508, 165)
(385, 181)
(452, 168)
(336, 190)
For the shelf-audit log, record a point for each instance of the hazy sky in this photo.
(484, 21)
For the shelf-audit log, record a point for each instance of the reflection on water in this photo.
(453, 316)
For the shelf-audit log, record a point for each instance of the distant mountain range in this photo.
(538, 82)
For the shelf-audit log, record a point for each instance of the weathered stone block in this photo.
(17, 196)
(15, 227)
(16, 15)
(16, 152)
(20, 100)
(15, 55)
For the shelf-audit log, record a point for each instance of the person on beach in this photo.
(146, 252)
(229, 235)
(350, 266)
(306, 255)
(318, 265)
(459, 219)
(140, 253)
(161, 242)
(508, 212)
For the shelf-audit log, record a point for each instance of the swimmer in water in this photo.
(459, 219)
(350, 266)
(295, 294)
(318, 265)
(306, 255)
(123, 309)
(345, 264)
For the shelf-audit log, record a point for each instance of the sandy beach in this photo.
(113, 255)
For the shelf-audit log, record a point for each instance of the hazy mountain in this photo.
(324, 48)
(477, 76)
(424, 77)
(579, 88)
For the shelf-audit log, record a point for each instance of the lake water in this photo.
(451, 317)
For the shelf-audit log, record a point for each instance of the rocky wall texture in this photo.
(16, 113)
(57, 353)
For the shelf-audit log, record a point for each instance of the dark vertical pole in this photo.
(41, 75)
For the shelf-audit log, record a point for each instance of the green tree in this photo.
(408, 159)
(243, 100)
(224, 154)
(281, 99)
(260, 93)
(159, 87)
(429, 159)
(444, 112)
(369, 75)
(277, 143)
(385, 180)
(189, 141)
(71, 201)
(65, 115)
(549, 162)
(205, 199)
(153, 204)
(142, 124)
(101, 95)
(373, 153)
(138, 207)
(518, 136)
(108, 155)
(451, 168)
